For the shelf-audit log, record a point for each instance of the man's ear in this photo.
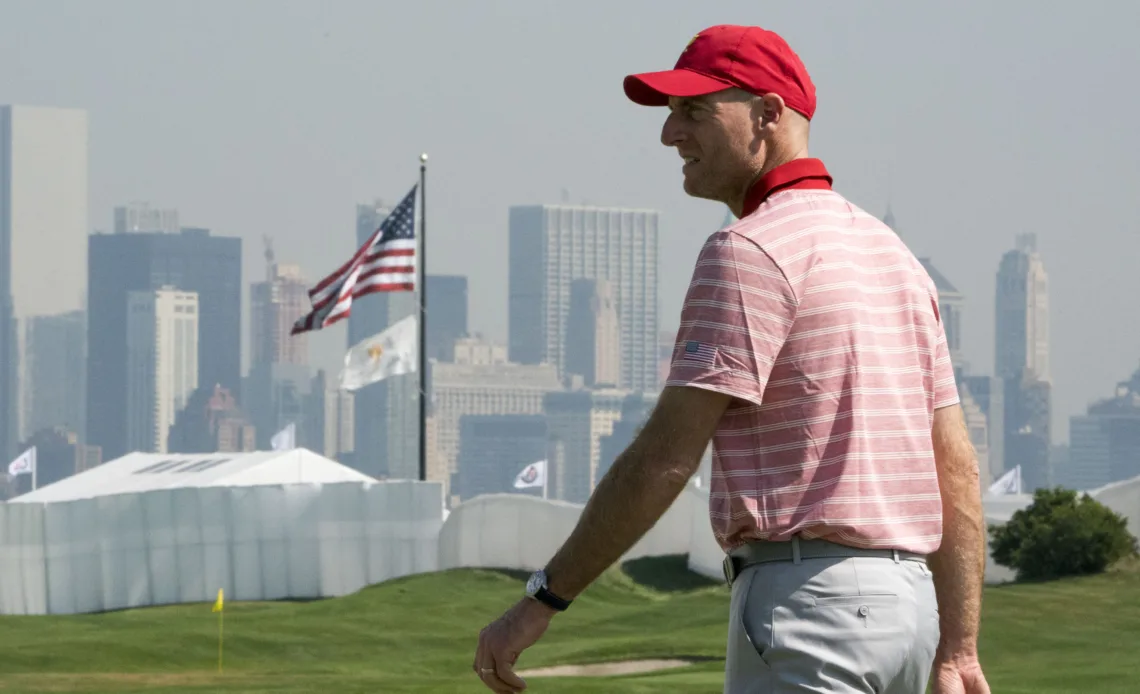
(768, 110)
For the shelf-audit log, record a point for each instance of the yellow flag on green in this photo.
(218, 604)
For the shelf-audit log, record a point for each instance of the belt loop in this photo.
(895, 554)
(796, 558)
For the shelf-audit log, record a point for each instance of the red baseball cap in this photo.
(754, 59)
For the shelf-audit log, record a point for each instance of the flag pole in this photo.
(422, 286)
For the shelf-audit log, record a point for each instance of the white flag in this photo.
(388, 353)
(533, 475)
(286, 439)
(1009, 483)
(25, 464)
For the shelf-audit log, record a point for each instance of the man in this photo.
(844, 489)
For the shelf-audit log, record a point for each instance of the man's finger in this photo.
(506, 673)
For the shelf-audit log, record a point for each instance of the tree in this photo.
(1062, 533)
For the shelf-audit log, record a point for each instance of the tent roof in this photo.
(143, 472)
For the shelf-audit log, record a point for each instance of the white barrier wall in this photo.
(517, 531)
(174, 546)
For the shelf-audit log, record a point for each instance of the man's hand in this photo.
(961, 675)
(502, 642)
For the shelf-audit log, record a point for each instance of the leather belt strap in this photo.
(797, 549)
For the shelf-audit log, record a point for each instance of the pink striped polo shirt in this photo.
(824, 328)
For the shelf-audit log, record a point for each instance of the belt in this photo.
(797, 549)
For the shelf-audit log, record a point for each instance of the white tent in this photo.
(151, 529)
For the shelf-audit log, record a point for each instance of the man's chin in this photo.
(696, 190)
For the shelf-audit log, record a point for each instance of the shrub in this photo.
(1061, 534)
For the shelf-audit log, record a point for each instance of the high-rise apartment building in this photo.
(190, 261)
(553, 245)
(162, 363)
(43, 223)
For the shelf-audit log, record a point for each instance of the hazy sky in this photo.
(976, 120)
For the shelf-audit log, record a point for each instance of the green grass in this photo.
(418, 635)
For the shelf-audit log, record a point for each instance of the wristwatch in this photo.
(536, 589)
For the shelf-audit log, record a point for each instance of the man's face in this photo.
(718, 138)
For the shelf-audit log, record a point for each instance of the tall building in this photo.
(494, 448)
(501, 388)
(446, 315)
(577, 423)
(212, 422)
(43, 222)
(988, 393)
(1104, 443)
(139, 216)
(191, 261)
(553, 245)
(386, 414)
(593, 333)
(1021, 315)
(1021, 359)
(329, 419)
(278, 387)
(274, 305)
(54, 373)
(162, 363)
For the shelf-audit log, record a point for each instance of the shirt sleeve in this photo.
(736, 317)
(945, 385)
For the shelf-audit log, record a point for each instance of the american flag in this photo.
(385, 263)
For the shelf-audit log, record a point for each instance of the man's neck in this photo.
(737, 205)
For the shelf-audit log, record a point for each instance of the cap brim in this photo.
(655, 88)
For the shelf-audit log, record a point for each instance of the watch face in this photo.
(536, 581)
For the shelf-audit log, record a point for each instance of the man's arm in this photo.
(639, 488)
(959, 564)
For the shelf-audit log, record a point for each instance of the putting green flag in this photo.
(219, 604)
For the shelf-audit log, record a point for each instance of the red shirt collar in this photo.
(798, 173)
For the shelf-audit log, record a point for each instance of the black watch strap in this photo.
(551, 600)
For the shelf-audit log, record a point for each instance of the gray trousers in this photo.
(863, 625)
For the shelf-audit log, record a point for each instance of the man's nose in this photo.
(672, 134)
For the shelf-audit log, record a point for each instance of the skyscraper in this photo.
(1021, 313)
(446, 315)
(54, 373)
(1021, 360)
(553, 245)
(593, 333)
(275, 305)
(43, 222)
(191, 261)
(162, 363)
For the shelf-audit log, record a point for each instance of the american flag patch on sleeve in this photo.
(698, 352)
